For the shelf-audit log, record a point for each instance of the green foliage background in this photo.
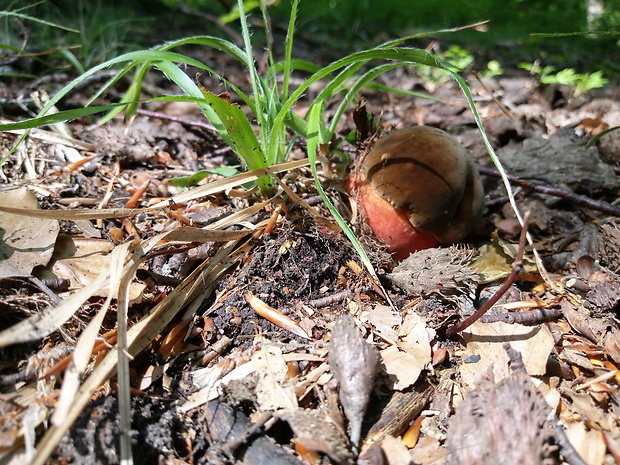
(332, 27)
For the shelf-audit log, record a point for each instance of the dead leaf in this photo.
(406, 360)
(485, 340)
(81, 261)
(428, 452)
(592, 328)
(273, 391)
(494, 261)
(612, 344)
(395, 451)
(403, 367)
(25, 241)
(384, 320)
(589, 443)
(579, 407)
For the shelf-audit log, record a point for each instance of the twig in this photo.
(516, 268)
(216, 349)
(178, 119)
(568, 451)
(330, 299)
(577, 199)
(501, 106)
(231, 446)
(527, 317)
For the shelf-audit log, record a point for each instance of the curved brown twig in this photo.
(517, 265)
(578, 199)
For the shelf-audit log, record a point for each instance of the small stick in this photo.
(578, 199)
(231, 446)
(527, 317)
(177, 119)
(568, 451)
(330, 299)
(516, 268)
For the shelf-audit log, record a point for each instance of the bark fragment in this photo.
(354, 364)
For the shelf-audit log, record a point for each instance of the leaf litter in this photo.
(212, 381)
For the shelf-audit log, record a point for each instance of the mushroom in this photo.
(418, 188)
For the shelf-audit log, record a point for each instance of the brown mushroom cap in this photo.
(428, 173)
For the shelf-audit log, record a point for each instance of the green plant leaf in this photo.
(596, 138)
(37, 20)
(243, 141)
(356, 60)
(193, 179)
(68, 115)
(234, 15)
(60, 117)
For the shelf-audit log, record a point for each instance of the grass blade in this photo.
(314, 143)
(243, 141)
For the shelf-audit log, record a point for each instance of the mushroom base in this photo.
(392, 225)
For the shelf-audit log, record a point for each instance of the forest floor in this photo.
(213, 381)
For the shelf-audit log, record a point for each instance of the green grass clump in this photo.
(263, 139)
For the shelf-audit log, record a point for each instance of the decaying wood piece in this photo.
(561, 159)
(235, 439)
(509, 423)
(609, 246)
(314, 430)
(402, 408)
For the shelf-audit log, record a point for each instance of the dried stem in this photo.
(577, 199)
(528, 317)
(516, 269)
(177, 119)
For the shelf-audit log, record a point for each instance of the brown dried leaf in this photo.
(25, 241)
(384, 320)
(579, 405)
(589, 443)
(485, 340)
(81, 261)
(428, 452)
(492, 264)
(592, 328)
(395, 451)
(494, 261)
(406, 361)
(612, 344)
(273, 391)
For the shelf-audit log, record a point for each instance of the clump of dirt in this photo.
(300, 262)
